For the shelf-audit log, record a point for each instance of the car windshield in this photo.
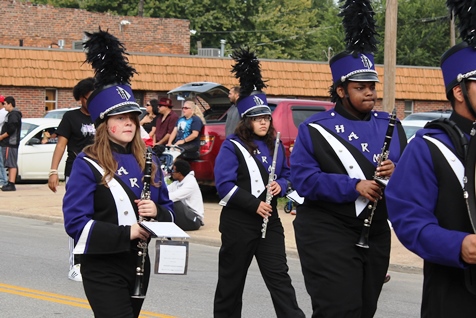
(411, 130)
(55, 114)
(427, 116)
(26, 128)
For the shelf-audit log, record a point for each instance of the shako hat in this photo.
(252, 101)
(113, 94)
(356, 63)
(458, 64)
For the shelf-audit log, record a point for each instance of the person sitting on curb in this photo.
(186, 195)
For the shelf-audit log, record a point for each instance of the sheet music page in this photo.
(295, 197)
(172, 259)
(164, 229)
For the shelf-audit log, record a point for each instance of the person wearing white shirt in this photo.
(3, 113)
(187, 198)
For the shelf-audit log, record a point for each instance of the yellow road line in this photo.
(61, 299)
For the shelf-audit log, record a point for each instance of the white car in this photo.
(34, 158)
(58, 113)
(412, 123)
(412, 126)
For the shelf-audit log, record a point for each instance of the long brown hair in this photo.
(244, 131)
(101, 151)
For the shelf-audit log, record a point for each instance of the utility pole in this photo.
(452, 30)
(140, 10)
(390, 55)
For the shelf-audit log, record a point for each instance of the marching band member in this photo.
(332, 167)
(425, 198)
(242, 170)
(101, 205)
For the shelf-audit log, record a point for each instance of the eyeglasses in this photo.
(186, 107)
(266, 119)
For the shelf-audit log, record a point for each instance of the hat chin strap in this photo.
(462, 84)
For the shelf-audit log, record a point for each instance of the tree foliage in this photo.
(289, 29)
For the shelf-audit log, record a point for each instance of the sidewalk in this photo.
(38, 202)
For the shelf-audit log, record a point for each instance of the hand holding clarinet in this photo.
(147, 210)
(373, 189)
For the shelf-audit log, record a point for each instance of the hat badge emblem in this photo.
(123, 93)
(366, 61)
(258, 101)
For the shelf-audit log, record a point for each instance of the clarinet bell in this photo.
(364, 236)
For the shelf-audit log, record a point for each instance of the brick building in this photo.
(41, 76)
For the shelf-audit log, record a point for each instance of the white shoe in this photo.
(75, 273)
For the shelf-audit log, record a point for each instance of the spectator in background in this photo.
(165, 124)
(186, 195)
(49, 137)
(186, 133)
(75, 131)
(10, 140)
(150, 119)
(3, 113)
(232, 115)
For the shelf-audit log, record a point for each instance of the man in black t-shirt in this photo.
(75, 131)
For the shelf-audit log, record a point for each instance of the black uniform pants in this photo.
(239, 245)
(109, 281)
(342, 279)
(445, 294)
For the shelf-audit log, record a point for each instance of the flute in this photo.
(271, 178)
(364, 235)
(139, 287)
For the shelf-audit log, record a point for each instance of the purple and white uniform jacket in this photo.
(241, 178)
(97, 217)
(333, 152)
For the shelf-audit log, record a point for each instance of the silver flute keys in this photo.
(272, 177)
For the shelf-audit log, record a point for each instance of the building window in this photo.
(139, 96)
(408, 107)
(50, 99)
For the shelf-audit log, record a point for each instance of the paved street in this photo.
(33, 279)
(37, 201)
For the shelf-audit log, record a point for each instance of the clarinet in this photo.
(271, 178)
(364, 235)
(139, 287)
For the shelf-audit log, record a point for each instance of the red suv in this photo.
(287, 115)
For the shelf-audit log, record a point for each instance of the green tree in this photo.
(422, 34)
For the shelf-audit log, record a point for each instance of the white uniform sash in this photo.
(125, 211)
(451, 158)
(348, 161)
(257, 184)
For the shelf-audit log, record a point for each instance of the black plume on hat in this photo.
(247, 69)
(465, 11)
(252, 101)
(113, 94)
(107, 56)
(359, 25)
